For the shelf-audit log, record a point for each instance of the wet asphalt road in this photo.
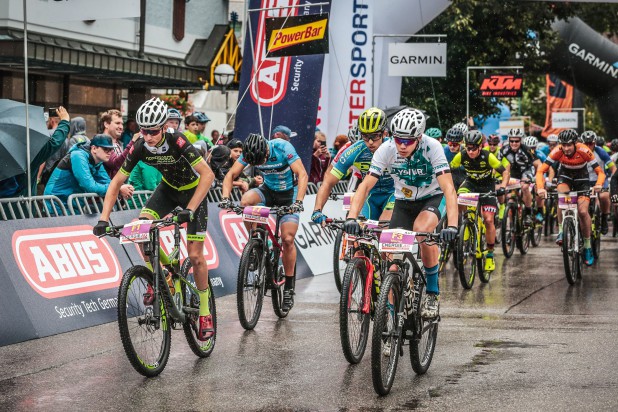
(525, 341)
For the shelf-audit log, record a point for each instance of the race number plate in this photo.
(567, 200)
(468, 199)
(136, 232)
(370, 224)
(256, 214)
(347, 200)
(396, 240)
(513, 184)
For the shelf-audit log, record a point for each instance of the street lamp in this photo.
(224, 76)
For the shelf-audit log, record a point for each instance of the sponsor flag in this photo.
(560, 98)
(284, 90)
(501, 85)
(297, 35)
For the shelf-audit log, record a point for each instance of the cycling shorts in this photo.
(487, 204)
(405, 212)
(270, 198)
(165, 199)
(573, 184)
(376, 203)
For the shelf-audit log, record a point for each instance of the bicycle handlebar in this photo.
(115, 231)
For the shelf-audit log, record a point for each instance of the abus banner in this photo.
(501, 85)
(284, 90)
(417, 59)
(297, 35)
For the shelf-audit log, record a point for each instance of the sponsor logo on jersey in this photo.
(291, 155)
(180, 142)
(64, 261)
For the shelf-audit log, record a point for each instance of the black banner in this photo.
(501, 85)
(297, 35)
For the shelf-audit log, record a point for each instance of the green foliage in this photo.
(496, 33)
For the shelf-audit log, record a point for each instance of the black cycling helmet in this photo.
(234, 144)
(255, 149)
(454, 135)
(588, 137)
(567, 136)
(613, 145)
(494, 139)
(600, 141)
(473, 137)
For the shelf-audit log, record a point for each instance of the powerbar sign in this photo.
(501, 85)
(297, 35)
(417, 59)
(564, 120)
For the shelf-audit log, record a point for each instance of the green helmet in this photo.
(434, 132)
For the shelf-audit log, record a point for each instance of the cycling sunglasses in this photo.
(514, 140)
(371, 136)
(150, 132)
(453, 144)
(404, 141)
(472, 148)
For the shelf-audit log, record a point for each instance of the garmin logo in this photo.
(417, 59)
(593, 60)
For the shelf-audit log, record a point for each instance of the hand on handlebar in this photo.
(501, 191)
(351, 227)
(449, 234)
(101, 228)
(185, 215)
(297, 207)
(318, 217)
(225, 203)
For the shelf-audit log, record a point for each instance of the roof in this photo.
(203, 51)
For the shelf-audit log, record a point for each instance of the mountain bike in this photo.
(340, 249)
(536, 231)
(360, 288)
(514, 231)
(551, 209)
(398, 309)
(260, 268)
(151, 304)
(594, 209)
(447, 251)
(572, 241)
(471, 242)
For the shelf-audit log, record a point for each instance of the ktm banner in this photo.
(297, 35)
(501, 85)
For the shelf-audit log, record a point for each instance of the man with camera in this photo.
(320, 159)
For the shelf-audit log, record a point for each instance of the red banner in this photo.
(559, 97)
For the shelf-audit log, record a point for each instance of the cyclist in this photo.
(573, 158)
(589, 139)
(454, 137)
(436, 134)
(479, 166)
(601, 144)
(278, 161)
(186, 180)
(423, 185)
(613, 147)
(173, 120)
(531, 143)
(521, 167)
(379, 204)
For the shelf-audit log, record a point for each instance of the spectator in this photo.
(191, 129)
(82, 171)
(129, 130)
(320, 159)
(339, 142)
(202, 119)
(235, 146)
(216, 137)
(220, 162)
(52, 123)
(283, 132)
(173, 120)
(144, 177)
(111, 125)
(53, 144)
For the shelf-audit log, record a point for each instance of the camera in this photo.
(53, 112)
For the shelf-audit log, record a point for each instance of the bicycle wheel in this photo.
(508, 230)
(250, 284)
(537, 232)
(277, 294)
(385, 339)
(596, 233)
(445, 254)
(466, 254)
(353, 324)
(569, 251)
(522, 237)
(498, 226)
(201, 348)
(337, 252)
(145, 339)
(423, 344)
(480, 263)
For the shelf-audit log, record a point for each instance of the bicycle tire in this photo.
(508, 230)
(466, 254)
(336, 259)
(200, 348)
(384, 368)
(353, 324)
(596, 234)
(145, 340)
(536, 234)
(480, 263)
(250, 284)
(422, 347)
(569, 251)
(498, 226)
(277, 294)
(522, 237)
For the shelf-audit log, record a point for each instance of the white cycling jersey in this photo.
(415, 178)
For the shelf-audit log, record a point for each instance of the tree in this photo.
(496, 33)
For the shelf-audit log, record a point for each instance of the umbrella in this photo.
(13, 159)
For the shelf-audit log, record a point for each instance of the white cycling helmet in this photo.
(152, 114)
(531, 142)
(353, 134)
(462, 127)
(408, 123)
(516, 133)
(552, 138)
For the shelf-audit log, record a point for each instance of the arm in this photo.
(328, 183)
(299, 170)
(361, 194)
(445, 180)
(498, 167)
(116, 160)
(231, 175)
(112, 194)
(206, 179)
(55, 141)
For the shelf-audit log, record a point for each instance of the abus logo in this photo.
(272, 78)
(64, 261)
(502, 86)
(166, 238)
(235, 231)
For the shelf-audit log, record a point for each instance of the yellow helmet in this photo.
(372, 120)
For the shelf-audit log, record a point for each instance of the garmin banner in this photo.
(297, 35)
(279, 90)
(417, 59)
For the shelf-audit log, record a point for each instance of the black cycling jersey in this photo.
(174, 157)
(521, 162)
(479, 169)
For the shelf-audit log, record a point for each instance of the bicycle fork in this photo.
(366, 303)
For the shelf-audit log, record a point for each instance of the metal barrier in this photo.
(214, 195)
(89, 203)
(31, 207)
(312, 189)
(341, 187)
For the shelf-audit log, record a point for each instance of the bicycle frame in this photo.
(263, 232)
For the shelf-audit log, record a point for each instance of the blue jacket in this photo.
(77, 172)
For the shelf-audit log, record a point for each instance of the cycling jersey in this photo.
(521, 162)
(278, 175)
(503, 160)
(358, 156)
(174, 157)
(574, 167)
(603, 160)
(480, 168)
(415, 177)
(538, 154)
